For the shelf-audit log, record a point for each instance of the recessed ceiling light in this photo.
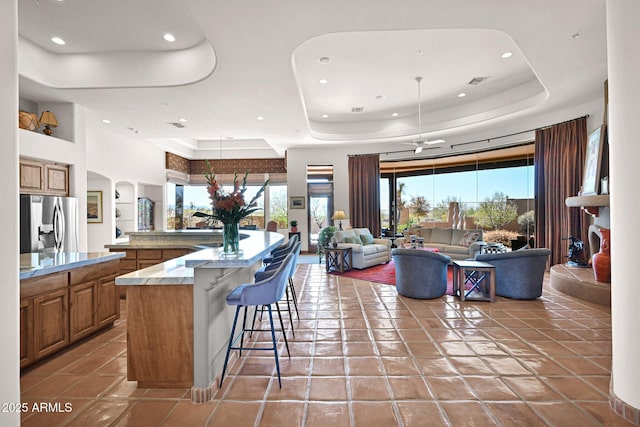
(259, 118)
(169, 37)
(462, 95)
(324, 60)
(506, 55)
(58, 40)
(106, 121)
(324, 81)
(182, 120)
(395, 114)
(324, 116)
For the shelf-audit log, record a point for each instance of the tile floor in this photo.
(362, 356)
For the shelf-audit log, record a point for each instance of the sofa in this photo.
(458, 244)
(366, 251)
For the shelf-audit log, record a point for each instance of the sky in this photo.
(470, 187)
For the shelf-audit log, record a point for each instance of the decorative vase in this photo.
(294, 229)
(231, 238)
(601, 261)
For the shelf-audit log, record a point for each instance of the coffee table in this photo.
(475, 273)
(337, 259)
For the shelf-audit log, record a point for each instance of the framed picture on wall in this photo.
(94, 206)
(593, 161)
(296, 202)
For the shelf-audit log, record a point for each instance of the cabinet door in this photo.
(51, 322)
(57, 179)
(108, 301)
(83, 310)
(26, 331)
(31, 176)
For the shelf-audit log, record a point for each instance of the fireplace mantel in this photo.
(590, 204)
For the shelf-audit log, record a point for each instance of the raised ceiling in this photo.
(233, 62)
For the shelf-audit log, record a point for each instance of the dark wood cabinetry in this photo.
(61, 308)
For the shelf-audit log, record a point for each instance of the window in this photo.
(278, 205)
(425, 195)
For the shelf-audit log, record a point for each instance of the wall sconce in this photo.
(48, 119)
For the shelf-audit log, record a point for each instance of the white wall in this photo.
(39, 146)
(9, 261)
(119, 159)
(104, 232)
(623, 34)
(297, 161)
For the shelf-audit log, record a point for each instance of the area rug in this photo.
(386, 274)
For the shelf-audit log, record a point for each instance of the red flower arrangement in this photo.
(231, 207)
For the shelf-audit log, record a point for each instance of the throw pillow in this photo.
(352, 239)
(468, 238)
(367, 239)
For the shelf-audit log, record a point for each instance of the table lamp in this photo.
(339, 216)
(49, 120)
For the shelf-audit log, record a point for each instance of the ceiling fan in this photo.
(420, 144)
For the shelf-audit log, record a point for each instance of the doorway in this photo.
(320, 202)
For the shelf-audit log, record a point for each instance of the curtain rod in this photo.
(479, 140)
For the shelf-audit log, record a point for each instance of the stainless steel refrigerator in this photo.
(48, 224)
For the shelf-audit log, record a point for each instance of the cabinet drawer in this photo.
(127, 265)
(90, 272)
(38, 285)
(174, 253)
(150, 254)
(147, 263)
(129, 254)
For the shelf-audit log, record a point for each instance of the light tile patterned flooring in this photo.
(363, 356)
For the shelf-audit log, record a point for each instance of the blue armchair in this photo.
(420, 274)
(519, 274)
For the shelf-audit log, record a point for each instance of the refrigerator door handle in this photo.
(58, 227)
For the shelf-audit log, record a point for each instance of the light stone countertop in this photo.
(40, 264)
(180, 271)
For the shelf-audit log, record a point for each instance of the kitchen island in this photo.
(64, 297)
(178, 321)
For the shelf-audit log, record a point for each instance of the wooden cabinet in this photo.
(108, 301)
(38, 177)
(83, 310)
(56, 179)
(50, 324)
(26, 331)
(64, 307)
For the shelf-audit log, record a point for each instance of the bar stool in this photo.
(281, 250)
(269, 270)
(263, 293)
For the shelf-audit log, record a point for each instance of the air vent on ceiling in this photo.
(357, 109)
(477, 80)
(177, 124)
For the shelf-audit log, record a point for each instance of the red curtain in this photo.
(559, 164)
(364, 192)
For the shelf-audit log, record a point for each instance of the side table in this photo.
(474, 273)
(493, 248)
(337, 258)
